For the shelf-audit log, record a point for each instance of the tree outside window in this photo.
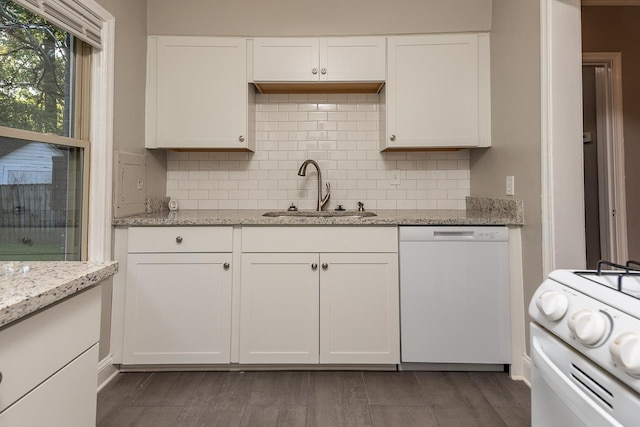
(42, 163)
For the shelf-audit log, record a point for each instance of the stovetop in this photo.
(611, 284)
(623, 278)
(597, 312)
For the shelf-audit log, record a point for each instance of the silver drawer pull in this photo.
(325, 265)
(0, 377)
(179, 239)
(314, 266)
(225, 265)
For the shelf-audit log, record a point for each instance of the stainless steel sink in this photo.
(320, 214)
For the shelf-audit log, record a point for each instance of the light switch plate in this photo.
(510, 190)
(394, 177)
(129, 194)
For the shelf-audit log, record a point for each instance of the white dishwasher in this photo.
(454, 298)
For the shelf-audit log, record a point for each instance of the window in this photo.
(44, 148)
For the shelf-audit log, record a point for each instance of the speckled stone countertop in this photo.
(479, 211)
(26, 287)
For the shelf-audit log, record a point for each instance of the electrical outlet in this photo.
(511, 186)
(393, 177)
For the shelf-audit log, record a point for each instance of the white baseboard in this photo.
(106, 371)
(525, 374)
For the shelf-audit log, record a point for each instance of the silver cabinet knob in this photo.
(325, 265)
(225, 265)
(392, 137)
(314, 71)
(323, 71)
(179, 239)
(314, 266)
(0, 377)
(241, 138)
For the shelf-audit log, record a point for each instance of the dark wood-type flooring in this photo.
(306, 399)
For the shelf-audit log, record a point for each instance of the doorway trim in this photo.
(611, 131)
(563, 237)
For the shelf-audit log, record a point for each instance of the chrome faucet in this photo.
(322, 201)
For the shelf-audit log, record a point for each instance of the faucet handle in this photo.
(327, 196)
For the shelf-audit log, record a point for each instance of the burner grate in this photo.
(623, 278)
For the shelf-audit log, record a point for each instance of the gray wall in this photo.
(327, 17)
(515, 63)
(515, 126)
(617, 29)
(128, 114)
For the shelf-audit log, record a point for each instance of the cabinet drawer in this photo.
(319, 239)
(180, 239)
(67, 399)
(35, 348)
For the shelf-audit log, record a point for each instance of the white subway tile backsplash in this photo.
(341, 132)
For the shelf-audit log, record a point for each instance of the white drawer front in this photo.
(180, 239)
(319, 239)
(67, 399)
(35, 348)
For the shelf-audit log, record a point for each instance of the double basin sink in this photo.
(320, 214)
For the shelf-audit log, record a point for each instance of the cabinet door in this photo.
(197, 93)
(67, 399)
(359, 316)
(279, 308)
(285, 59)
(178, 309)
(352, 59)
(437, 91)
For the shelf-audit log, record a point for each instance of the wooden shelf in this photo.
(318, 87)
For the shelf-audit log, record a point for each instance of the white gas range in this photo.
(585, 348)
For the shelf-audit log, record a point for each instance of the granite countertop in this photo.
(480, 211)
(28, 286)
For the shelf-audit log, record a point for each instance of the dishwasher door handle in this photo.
(453, 235)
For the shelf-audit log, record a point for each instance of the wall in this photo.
(221, 180)
(339, 131)
(515, 111)
(129, 96)
(617, 29)
(327, 17)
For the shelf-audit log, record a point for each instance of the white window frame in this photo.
(101, 137)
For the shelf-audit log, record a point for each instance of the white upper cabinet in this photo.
(285, 59)
(330, 59)
(437, 92)
(197, 94)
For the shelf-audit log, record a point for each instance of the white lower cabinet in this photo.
(301, 295)
(279, 308)
(67, 399)
(48, 365)
(359, 308)
(319, 307)
(178, 309)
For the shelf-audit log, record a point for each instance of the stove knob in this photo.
(553, 305)
(589, 326)
(625, 350)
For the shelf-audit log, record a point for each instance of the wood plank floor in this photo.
(310, 399)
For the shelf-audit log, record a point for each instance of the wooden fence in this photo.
(28, 222)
